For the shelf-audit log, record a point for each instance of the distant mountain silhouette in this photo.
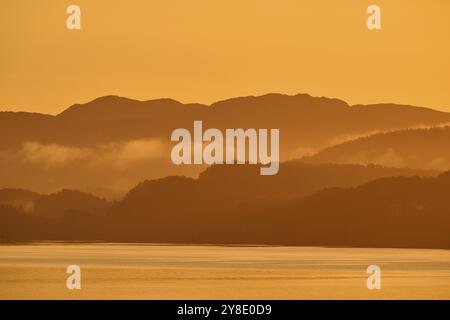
(111, 143)
(305, 121)
(418, 148)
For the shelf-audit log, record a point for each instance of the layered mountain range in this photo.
(373, 175)
(110, 144)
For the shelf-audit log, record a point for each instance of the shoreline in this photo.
(156, 244)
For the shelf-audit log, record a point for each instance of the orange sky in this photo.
(203, 51)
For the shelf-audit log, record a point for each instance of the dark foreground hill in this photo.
(18, 198)
(391, 212)
(408, 211)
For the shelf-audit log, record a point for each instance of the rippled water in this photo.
(129, 271)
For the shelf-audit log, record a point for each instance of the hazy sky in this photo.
(207, 50)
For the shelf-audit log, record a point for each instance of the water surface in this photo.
(129, 271)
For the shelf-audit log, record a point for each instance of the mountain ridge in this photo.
(112, 143)
(116, 98)
(395, 148)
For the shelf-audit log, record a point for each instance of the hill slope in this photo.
(403, 210)
(390, 212)
(418, 148)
